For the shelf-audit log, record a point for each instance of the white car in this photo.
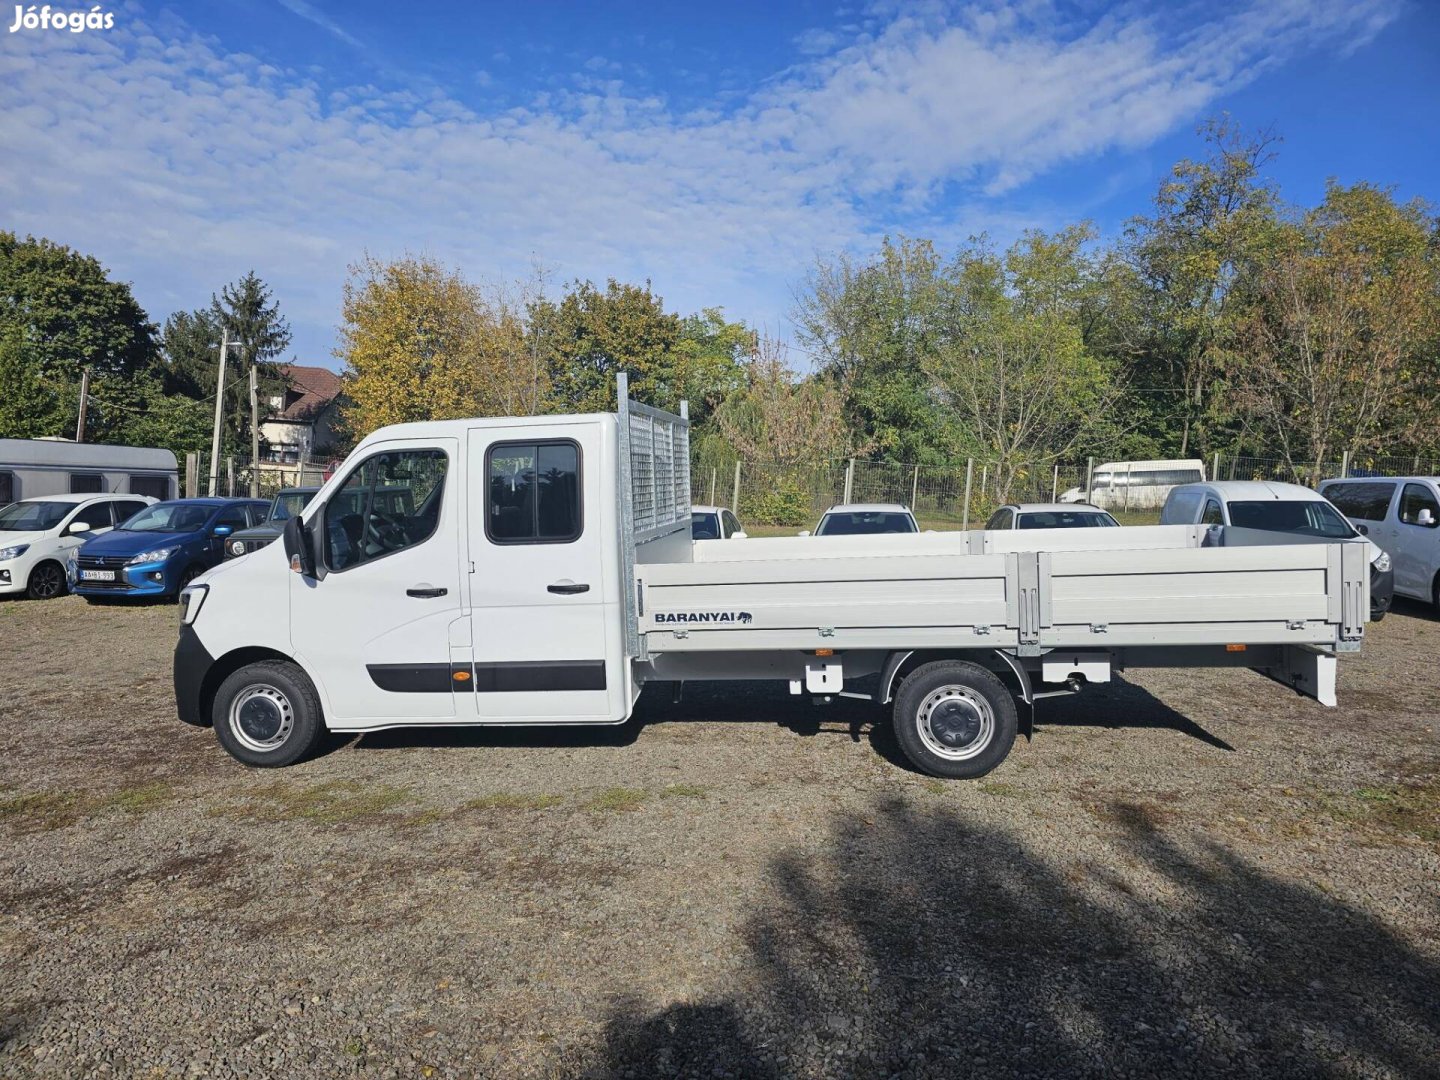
(1402, 515)
(715, 523)
(1277, 507)
(37, 536)
(861, 519)
(1050, 516)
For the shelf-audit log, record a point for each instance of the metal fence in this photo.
(237, 477)
(964, 494)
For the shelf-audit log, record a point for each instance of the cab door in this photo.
(545, 615)
(377, 628)
(1416, 551)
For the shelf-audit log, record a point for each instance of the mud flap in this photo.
(1306, 672)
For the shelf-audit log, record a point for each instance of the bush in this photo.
(784, 504)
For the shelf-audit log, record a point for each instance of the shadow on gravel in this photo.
(1120, 704)
(927, 945)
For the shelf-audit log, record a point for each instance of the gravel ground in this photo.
(1184, 874)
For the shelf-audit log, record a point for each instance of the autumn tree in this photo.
(1337, 346)
(781, 418)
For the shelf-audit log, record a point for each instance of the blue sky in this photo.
(714, 149)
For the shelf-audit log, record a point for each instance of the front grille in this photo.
(103, 562)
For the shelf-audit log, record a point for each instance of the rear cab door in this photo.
(544, 584)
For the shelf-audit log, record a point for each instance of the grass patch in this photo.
(618, 799)
(933, 786)
(1003, 790)
(140, 799)
(1396, 809)
(505, 800)
(683, 791)
(42, 811)
(331, 803)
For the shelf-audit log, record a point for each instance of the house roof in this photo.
(317, 386)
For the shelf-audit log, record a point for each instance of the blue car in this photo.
(161, 549)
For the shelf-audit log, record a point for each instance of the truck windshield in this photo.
(869, 522)
(1292, 515)
(33, 516)
(169, 517)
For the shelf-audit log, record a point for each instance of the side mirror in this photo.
(75, 528)
(222, 530)
(1363, 530)
(1426, 518)
(740, 535)
(298, 547)
(803, 532)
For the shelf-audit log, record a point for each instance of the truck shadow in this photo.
(924, 943)
(1120, 705)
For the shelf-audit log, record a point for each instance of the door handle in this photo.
(425, 592)
(567, 588)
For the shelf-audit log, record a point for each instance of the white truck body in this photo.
(464, 627)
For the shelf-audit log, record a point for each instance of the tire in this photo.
(47, 581)
(267, 714)
(954, 720)
(189, 574)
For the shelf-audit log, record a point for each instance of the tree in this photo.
(69, 314)
(1013, 364)
(1338, 341)
(873, 327)
(421, 343)
(1214, 221)
(31, 405)
(780, 418)
(707, 364)
(590, 336)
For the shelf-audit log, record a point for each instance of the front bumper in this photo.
(147, 579)
(192, 663)
(1382, 591)
(12, 579)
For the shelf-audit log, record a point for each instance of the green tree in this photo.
(590, 335)
(69, 314)
(31, 405)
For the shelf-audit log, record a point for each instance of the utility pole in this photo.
(84, 405)
(254, 432)
(225, 344)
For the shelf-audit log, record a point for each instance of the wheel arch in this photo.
(233, 661)
(901, 663)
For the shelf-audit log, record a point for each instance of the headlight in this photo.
(13, 552)
(1382, 562)
(191, 597)
(237, 547)
(158, 555)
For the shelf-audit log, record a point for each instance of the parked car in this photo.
(160, 550)
(1402, 515)
(1049, 516)
(1276, 507)
(859, 519)
(1136, 485)
(286, 505)
(37, 536)
(715, 523)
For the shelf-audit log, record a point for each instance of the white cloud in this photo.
(183, 165)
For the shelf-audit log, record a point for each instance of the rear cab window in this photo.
(532, 493)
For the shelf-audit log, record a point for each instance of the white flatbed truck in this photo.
(540, 570)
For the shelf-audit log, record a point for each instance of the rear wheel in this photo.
(47, 581)
(190, 574)
(954, 720)
(267, 714)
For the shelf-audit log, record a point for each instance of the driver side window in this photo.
(390, 503)
(1212, 515)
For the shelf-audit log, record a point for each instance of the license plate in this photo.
(97, 575)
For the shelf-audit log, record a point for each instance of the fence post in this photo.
(192, 473)
(713, 475)
(915, 489)
(1215, 467)
(969, 474)
(1090, 480)
(1055, 483)
(735, 495)
(984, 479)
(1128, 470)
(1345, 464)
(849, 479)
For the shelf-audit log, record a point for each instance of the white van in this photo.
(1276, 507)
(1136, 485)
(37, 535)
(1402, 515)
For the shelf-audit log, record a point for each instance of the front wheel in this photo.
(267, 714)
(47, 581)
(954, 720)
